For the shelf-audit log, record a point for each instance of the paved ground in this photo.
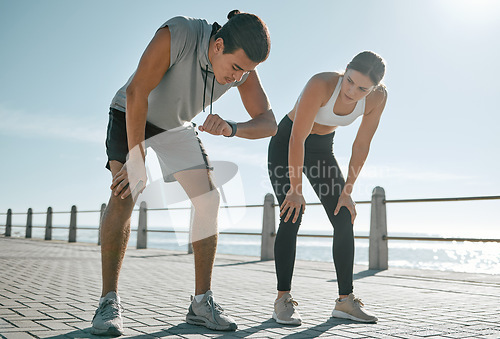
(49, 289)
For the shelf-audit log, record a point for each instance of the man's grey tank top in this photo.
(178, 98)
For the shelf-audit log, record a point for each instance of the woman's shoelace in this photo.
(357, 300)
(292, 301)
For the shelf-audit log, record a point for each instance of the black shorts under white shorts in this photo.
(177, 149)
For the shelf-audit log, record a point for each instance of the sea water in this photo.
(472, 257)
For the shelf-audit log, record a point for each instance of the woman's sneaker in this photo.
(108, 317)
(285, 312)
(209, 314)
(352, 308)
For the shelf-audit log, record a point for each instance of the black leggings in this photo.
(325, 176)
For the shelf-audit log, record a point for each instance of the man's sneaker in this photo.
(209, 314)
(352, 308)
(285, 312)
(108, 317)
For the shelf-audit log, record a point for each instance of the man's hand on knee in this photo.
(130, 180)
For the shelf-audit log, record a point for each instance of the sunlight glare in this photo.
(472, 13)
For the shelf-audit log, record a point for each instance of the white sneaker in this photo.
(352, 308)
(108, 317)
(285, 312)
(209, 314)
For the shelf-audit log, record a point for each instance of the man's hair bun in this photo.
(233, 13)
(248, 32)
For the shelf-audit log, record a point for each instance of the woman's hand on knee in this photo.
(346, 201)
(294, 202)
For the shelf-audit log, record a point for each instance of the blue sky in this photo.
(62, 61)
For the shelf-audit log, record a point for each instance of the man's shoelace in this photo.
(214, 307)
(110, 309)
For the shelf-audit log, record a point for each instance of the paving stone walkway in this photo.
(50, 289)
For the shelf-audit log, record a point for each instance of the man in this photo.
(187, 62)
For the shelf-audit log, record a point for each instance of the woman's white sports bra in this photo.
(326, 115)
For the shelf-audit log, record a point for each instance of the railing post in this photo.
(29, 223)
(72, 225)
(48, 224)
(268, 229)
(191, 220)
(103, 209)
(8, 224)
(378, 250)
(142, 230)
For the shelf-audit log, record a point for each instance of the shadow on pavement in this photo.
(361, 275)
(187, 329)
(239, 263)
(317, 330)
(85, 333)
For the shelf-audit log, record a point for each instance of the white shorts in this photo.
(179, 149)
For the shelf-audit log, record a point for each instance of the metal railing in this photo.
(378, 238)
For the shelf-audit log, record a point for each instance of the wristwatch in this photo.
(234, 128)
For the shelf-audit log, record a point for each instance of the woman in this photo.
(303, 144)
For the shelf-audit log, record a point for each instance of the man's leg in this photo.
(205, 198)
(115, 232)
(204, 310)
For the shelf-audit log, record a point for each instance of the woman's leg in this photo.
(325, 176)
(285, 311)
(286, 237)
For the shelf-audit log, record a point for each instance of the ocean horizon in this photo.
(456, 256)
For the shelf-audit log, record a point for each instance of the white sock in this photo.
(102, 299)
(199, 297)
